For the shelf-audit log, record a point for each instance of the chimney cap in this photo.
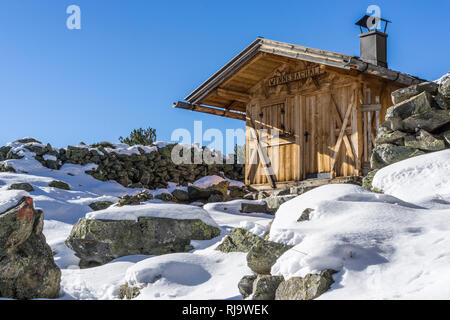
(369, 22)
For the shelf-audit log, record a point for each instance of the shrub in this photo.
(141, 136)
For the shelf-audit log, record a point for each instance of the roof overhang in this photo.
(232, 97)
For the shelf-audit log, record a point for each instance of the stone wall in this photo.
(149, 167)
(418, 123)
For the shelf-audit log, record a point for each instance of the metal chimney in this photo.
(373, 43)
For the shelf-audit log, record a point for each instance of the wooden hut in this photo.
(325, 107)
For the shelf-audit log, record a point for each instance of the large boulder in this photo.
(386, 154)
(21, 186)
(429, 121)
(307, 288)
(263, 255)
(265, 286)
(27, 268)
(416, 105)
(239, 240)
(424, 141)
(245, 285)
(59, 185)
(403, 94)
(97, 242)
(385, 135)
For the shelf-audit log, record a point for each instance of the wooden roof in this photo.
(227, 91)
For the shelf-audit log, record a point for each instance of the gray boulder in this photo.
(274, 202)
(428, 121)
(245, 285)
(424, 141)
(263, 255)
(239, 240)
(97, 242)
(180, 195)
(444, 88)
(265, 286)
(403, 94)
(416, 105)
(166, 197)
(129, 292)
(27, 268)
(307, 288)
(136, 199)
(59, 185)
(21, 186)
(254, 208)
(100, 205)
(385, 135)
(386, 154)
(305, 215)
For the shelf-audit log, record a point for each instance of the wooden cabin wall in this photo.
(308, 108)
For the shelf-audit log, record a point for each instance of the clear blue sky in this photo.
(132, 59)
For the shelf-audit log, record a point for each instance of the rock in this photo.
(305, 215)
(97, 242)
(215, 198)
(386, 154)
(27, 268)
(129, 292)
(265, 286)
(221, 187)
(424, 141)
(446, 136)
(239, 240)
(137, 199)
(367, 180)
(263, 255)
(21, 186)
(180, 195)
(274, 202)
(237, 192)
(428, 121)
(413, 106)
(403, 94)
(28, 140)
(59, 185)
(196, 193)
(308, 288)
(388, 136)
(166, 197)
(444, 88)
(442, 102)
(245, 285)
(100, 205)
(254, 208)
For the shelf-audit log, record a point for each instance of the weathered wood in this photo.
(370, 107)
(204, 109)
(340, 138)
(233, 95)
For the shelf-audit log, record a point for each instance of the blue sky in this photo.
(132, 59)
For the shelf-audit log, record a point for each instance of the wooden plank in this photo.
(265, 161)
(337, 115)
(370, 107)
(203, 109)
(233, 95)
(341, 136)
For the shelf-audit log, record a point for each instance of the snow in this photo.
(208, 181)
(443, 78)
(202, 275)
(156, 210)
(429, 173)
(125, 149)
(394, 245)
(49, 157)
(383, 247)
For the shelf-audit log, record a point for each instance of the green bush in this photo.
(141, 136)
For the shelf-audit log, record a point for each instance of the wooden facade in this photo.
(309, 113)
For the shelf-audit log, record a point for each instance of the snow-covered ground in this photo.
(394, 245)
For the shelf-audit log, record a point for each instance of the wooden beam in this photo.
(337, 115)
(265, 161)
(233, 95)
(209, 110)
(340, 138)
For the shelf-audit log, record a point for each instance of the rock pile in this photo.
(27, 268)
(419, 122)
(149, 167)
